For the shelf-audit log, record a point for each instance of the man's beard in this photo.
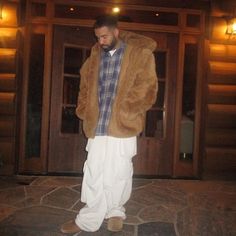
(111, 46)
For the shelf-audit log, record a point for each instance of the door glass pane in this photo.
(73, 60)
(35, 93)
(70, 123)
(38, 9)
(70, 89)
(154, 119)
(188, 102)
(160, 58)
(149, 17)
(78, 12)
(160, 95)
(154, 124)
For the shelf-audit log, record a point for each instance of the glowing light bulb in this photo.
(234, 27)
(115, 9)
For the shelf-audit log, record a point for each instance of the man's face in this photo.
(107, 37)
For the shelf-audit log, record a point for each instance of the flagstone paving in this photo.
(37, 206)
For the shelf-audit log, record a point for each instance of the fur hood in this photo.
(137, 40)
(133, 39)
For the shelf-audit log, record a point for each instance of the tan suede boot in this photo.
(115, 224)
(70, 227)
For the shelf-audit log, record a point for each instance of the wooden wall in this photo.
(8, 86)
(220, 133)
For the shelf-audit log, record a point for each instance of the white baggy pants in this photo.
(107, 181)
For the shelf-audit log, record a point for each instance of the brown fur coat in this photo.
(136, 89)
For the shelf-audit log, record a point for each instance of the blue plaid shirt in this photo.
(108, 78)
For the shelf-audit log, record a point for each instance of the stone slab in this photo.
(156, 229)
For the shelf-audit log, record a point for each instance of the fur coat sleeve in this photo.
(143, 93)
(82, 98)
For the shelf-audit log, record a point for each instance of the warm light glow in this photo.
(8, 32)
(115, 9)
(72, 9)
(218, 50)
(7, 52)
(217, 47)
(231, 26)
(234, 27)
(157, 14)
(0, 11)
(5, 16)
(9, 15)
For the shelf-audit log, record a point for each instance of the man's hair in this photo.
(105, 20)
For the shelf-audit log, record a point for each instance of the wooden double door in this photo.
(66, 153)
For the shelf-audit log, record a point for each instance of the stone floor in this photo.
(37, 206)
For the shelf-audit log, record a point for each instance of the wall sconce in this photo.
(231, 26)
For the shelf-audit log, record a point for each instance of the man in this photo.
(118, 85)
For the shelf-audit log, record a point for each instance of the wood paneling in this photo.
(221, 94)
(148, 160)
(216, 137)
(7, 157)
(220, 159)
(221, 116)
(222, 68)
(219, 51)
(7, 103)
(7, 82)
(222, 73)
(8, 37)
(8, 88)
(7, 127)
(220, 133)
(7, 60)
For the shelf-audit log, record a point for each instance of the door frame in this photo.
(45, 25)
(61, 142)
(39, 164)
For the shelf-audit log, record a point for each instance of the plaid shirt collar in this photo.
(120, 46)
